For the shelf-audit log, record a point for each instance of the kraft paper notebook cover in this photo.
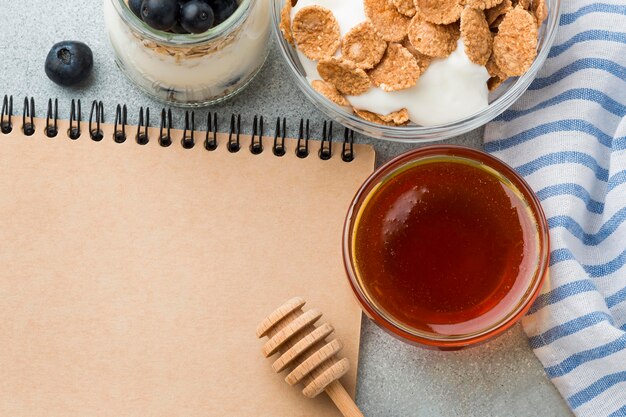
(132, 277)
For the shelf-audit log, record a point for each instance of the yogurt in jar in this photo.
(191, 70)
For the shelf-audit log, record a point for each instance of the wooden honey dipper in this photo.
(305, 353)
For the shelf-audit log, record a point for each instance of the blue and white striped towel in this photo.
(567, 137)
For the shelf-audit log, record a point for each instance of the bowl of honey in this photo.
(446, 246)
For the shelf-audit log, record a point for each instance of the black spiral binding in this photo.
(7, 111)
(302, 150)
(97, 109)
(279, 138)
(233, 135)
(210, 143)
(165, 139)
(75, 117)
(28, 126)
(256, 143)
(326, 148)
(188, 141)
(347, 153)
(142, 136)
(96, 119)
(119, 127)
(51, 128)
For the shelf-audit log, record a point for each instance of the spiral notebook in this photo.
(133, 276)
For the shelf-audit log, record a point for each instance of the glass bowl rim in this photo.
(413, 133)
(522, 304)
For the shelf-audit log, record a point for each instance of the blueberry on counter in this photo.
(135, 7)
(160, 14)
(196, 16)
(223, 9)
(69, 63)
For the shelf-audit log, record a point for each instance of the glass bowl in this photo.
(499, 100)
(454, 305)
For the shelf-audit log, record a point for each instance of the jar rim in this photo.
(522, 305)
(176, 39)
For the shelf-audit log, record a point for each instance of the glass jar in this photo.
(190, 69)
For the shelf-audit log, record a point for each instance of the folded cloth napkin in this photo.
(567, 137)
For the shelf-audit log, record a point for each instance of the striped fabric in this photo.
(567, 136)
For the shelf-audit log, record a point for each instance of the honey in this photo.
(445, 246)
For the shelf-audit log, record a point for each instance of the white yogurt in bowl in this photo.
(450, 89)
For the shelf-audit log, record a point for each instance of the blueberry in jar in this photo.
(160, 14)
(135, 7)
(223, 9)
(196, 16)
(179, 29)
(183, 16)
(69, 63)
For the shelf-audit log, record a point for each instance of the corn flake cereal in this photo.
(524, 3)
(540, 10)
(363, 45)
(398, 118)
(344, 75)
(390, 24)
(497, 76)
(406, 7)
(500, 10)
(285, 22)
(397, 70)
(476, 35)
(493, 69)
(316, 32)
(496, 24)
(439, 12)
(437, 41)
(482, 4)
(422, 60)
(494, 82)
(330, 92)
(515, 45)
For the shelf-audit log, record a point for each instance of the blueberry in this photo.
(160, 14)
(196, 16)
(135, 7)
(179, 29)
(223, 9)
(69, 63)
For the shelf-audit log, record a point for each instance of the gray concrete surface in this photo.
(500, 378)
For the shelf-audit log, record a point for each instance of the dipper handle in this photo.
(342, 400)
(304, 351)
